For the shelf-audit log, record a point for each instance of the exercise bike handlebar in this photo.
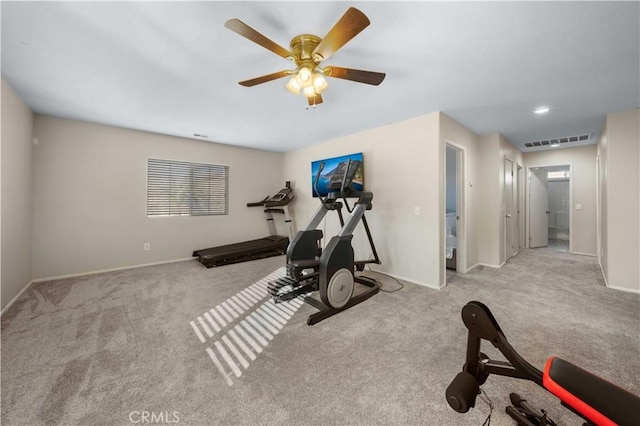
(315, 182)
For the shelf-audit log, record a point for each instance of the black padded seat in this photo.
(593, 397)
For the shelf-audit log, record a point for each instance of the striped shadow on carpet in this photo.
(243, 325)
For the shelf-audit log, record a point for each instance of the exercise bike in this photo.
(596, 400)
(330, 272)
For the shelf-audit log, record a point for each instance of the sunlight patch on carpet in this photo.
(243, 325)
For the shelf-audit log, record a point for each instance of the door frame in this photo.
(461, 201)
(514, 208)
(528, 204)
(521, 207)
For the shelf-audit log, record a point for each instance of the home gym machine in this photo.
(273, 245)
(594, 399)
(330, 272)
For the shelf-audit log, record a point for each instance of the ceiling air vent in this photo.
(557, 141)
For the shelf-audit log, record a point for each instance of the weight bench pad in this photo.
(594, 398)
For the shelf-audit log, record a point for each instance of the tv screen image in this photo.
(333, 171)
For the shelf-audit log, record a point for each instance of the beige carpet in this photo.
(182, 344)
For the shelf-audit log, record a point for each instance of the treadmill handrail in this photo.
(259, 203)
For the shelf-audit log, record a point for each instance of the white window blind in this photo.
(176, 188)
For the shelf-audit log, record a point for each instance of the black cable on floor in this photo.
(486, 399)
(386, 275)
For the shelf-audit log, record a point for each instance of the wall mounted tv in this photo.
(333, 170)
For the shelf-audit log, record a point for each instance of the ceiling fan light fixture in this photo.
(307, 51)
(309, 91)
(319, 82)
(304, 77)
(293, 86)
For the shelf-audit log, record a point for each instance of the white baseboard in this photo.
(583, 254)
(490, 266)
(626, 290)
(469, 269)
(16, 298)
(613, 287)
(407, 279)
(102, 271)
(604, 277)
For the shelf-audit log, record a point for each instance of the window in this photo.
(176, 188)
(561, 175)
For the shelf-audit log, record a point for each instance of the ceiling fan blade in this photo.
(265, 78)
(351, 23)
(246, 31)
(367, 77)
(314, 100)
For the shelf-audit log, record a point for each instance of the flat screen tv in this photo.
(333, 172)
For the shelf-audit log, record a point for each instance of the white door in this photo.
(509, 211)
(538, 209)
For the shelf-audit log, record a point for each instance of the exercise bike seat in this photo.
(598, 400)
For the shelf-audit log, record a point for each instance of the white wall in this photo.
(90, 197)
(583, 180)
(402, 169)
(619, 153)
(16, 194)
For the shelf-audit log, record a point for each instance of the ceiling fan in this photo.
(307, 52)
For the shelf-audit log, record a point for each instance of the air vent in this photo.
(558, 141)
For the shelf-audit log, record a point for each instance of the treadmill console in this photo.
(282, 198)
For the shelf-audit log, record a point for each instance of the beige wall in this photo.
(507, 150)
(16, 194)
(452, 132)
(619, 149)
(488, 187)
(402, 169)
(583, 181)
(603, 220)
(492, 150)
(90, 197)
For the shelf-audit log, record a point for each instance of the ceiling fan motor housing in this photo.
(302, 47)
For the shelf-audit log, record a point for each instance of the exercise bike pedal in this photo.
(275, 286)
(288, 288)
(526, 415)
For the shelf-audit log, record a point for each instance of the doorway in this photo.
(454, 241)
(550, 208)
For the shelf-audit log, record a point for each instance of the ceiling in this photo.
(173, 68)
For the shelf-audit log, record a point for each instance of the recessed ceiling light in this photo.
(541, 110)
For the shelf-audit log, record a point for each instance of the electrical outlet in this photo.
(416, 210)
(147, 246)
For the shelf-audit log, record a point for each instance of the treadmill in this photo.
(272, 245)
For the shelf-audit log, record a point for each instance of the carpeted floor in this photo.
(182, 344)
